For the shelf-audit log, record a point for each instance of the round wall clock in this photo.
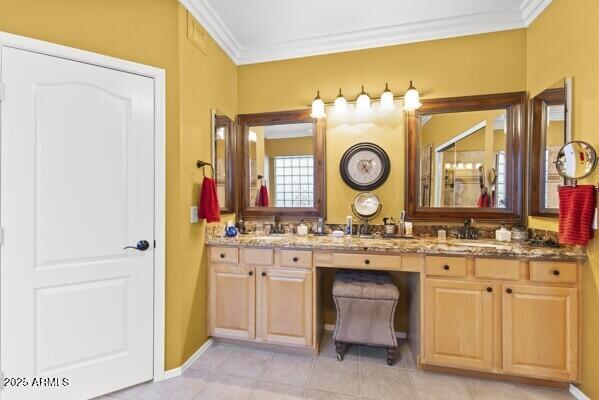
(365, 166)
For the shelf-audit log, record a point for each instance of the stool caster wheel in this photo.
(339, 357)
(390, 361)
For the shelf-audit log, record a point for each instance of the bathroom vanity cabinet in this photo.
(512, 315)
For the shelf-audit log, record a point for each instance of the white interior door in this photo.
(77, 186)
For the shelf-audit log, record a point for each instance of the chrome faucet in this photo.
(276, 224)
(468, 232)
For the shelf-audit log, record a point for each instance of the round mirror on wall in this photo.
(576, 160)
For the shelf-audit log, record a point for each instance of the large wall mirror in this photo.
(223, 160)
(283, 164)
(465, 158)
(550, 129)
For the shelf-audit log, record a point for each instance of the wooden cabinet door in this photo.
(458, 321)
(287, 306)
(232, 302)
(540, 331)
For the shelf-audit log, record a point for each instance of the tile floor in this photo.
(227, 372)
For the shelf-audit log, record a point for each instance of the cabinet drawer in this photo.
(553, 272)
(263, 257)
(226, 255)
(494, 268)
(374, 261)
(296, 258)
(445, 266)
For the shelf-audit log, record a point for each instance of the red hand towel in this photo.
(208, 208)
(576, 214)
(262, 198)
(484, 201)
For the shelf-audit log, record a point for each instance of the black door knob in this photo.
(508, 291)
(295, 259)
(142, 245)
(556, 272)
(222, 255)
(367, 262)
(446, 267)
(263, 273)
(251, 273)
(489, 289)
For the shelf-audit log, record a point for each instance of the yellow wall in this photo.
(154, 32)
(441, 68)
(562, 42)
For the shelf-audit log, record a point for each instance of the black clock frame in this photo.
(386, 167)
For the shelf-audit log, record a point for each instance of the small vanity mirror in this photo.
(283, 162)
(576, 160)
(223, 156)
(465, 158)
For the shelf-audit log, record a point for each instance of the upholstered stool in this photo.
(365, 302)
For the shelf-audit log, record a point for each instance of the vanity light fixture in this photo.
(412, 99)
(340, 104)
(318, 107)
(363, 101)
(252, 137)
(387, 99)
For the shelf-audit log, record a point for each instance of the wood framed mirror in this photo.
(223, 160)
(282, 165)
(465, 158)
(550, 129)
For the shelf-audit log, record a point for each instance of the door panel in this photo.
(287, 306)
(540, 331)
(77, 178)
(458, 324)
(232, 301)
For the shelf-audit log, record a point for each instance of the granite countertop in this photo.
(399, 246)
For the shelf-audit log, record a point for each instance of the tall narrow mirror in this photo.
(549, 131)
(223, 159)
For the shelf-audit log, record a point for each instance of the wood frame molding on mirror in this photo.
(245, 121)
(538, 140)
(515, 106)
(230, 144)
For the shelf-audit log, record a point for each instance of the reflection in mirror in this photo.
(576, 160)
(463, 159)
(222, 159)
(281, 165)
(549, 132)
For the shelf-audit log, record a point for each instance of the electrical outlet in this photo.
(194, 215)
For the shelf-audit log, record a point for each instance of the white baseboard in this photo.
(577, 393)
(172, 373)
(399, 335)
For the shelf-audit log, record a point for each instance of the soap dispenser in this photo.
(502, 234)
(302, 229)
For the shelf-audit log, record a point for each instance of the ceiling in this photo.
(287, 131)
(266, 30)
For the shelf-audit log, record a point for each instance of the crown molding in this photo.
(531, 9)
(214, 25)
(434, 29)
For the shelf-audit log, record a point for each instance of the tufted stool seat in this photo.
(365, 302)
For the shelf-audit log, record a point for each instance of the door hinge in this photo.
(1, 236)
(2, 91)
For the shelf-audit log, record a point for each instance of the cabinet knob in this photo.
(295, 259)
(222, 255)
(556, 272)
(489, 289)
(251, 273)
(263, 273)
(508, 291)
(446, 267)
(367, 261)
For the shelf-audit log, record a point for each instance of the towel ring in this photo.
(202, 164)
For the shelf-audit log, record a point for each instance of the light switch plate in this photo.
(194, 215)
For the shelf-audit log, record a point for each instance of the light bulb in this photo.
(363, 101)
(220, 133)
(387, 99)
(318, 107)
(252, 136)
(340, 104)
(412, 99)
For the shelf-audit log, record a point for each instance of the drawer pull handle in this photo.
(251, 273)
(508, 291)
(263, 273)
(556, 272)
(446, 267)
(222, 255)
(489, 289)
(367, 261)
(295, 259)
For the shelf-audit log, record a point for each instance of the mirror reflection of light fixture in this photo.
(412, 99)
(340, 104)
(318, 107)
(252, 137)
(387, 99)
(220, 133)
(363, 101)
